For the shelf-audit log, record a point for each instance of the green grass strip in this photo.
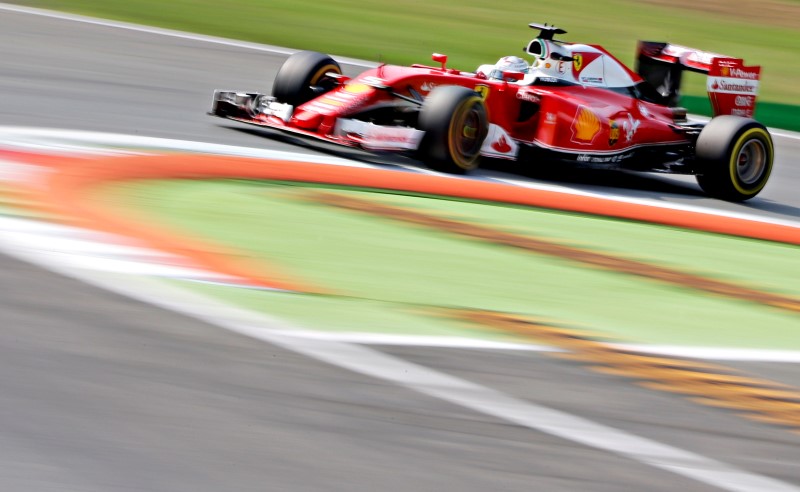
(391, 275)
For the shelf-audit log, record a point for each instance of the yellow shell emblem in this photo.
(585, 126)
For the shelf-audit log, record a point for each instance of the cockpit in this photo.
(573, 63)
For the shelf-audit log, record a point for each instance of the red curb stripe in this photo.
(66, 193)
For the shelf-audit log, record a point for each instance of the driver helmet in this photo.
(508, 64)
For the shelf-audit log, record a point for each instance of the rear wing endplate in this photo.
(732, 87)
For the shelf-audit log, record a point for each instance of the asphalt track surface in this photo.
(101, 392)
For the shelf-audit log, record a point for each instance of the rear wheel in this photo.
(302, 77)
(735, 157)
(455, 123)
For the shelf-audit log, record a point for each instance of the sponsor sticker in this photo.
(613, 133)
(501, 145)
(585, 126)
(728, 85)
(592, 80)
(528, 97)
(733, 87)
(607, 159)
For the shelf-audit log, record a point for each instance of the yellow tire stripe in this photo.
(733, 163)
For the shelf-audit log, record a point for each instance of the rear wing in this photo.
(732, 87)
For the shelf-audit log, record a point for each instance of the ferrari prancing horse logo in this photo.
(483, 91)
(582, 60)
(577, 62)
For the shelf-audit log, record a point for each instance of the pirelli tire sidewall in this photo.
(456, 123)
(735, 157)
(302, 77)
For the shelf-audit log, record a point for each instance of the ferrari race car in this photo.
(573, 104)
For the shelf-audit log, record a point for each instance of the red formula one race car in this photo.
(573, 104)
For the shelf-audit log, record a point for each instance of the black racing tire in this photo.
(302, 77)
(734, 157)
(455, 123)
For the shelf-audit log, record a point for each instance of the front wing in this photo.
(258, 109)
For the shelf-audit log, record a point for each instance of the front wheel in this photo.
(302, 77)
(455, 123)
(735, 158)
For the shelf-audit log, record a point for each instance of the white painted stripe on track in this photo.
(92, 250)
(372, 363)
(703, 353)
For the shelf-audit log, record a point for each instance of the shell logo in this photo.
(585, 126)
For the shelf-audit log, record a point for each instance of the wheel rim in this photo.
(751, 161)
(467, 139)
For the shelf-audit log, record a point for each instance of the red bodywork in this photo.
(571, 119)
